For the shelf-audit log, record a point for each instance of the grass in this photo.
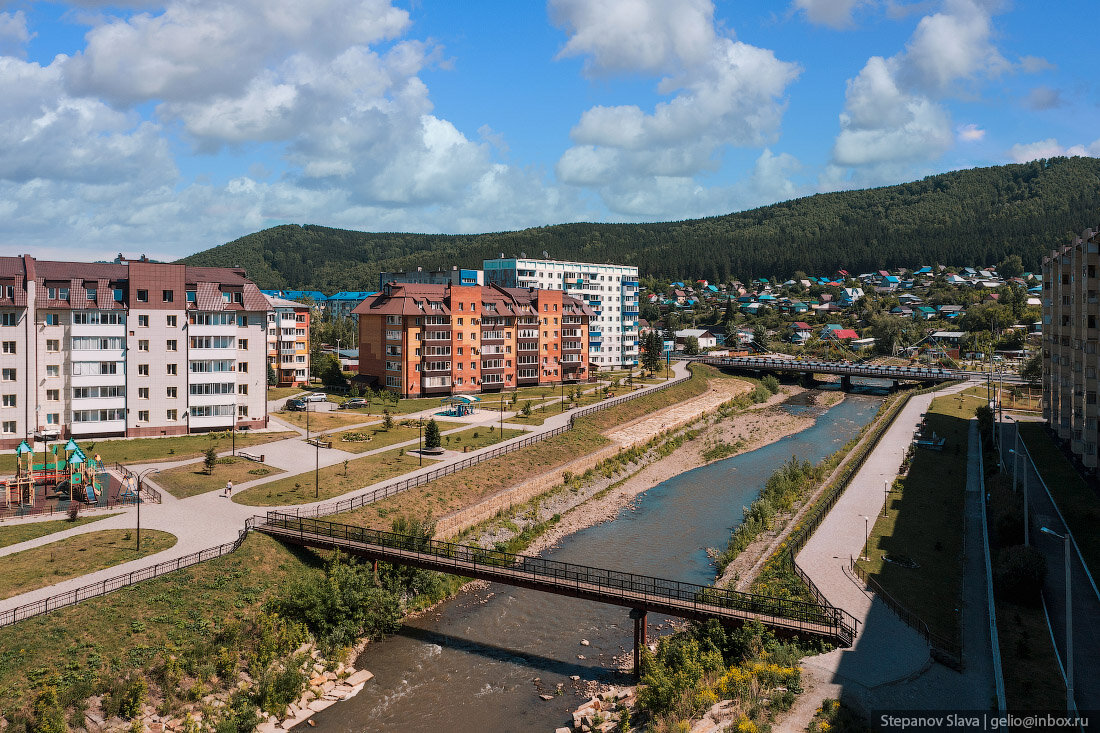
(536, 418)
(192, 480)
(1030, 398)
(322, 421)
(16, 533)
(381, 437)
(299, 489)
(140, 625)
(1078, 502)
(75, 556)
(278, 393)
(478, 437)
(467, 487)
(925, 523)
(151, 450)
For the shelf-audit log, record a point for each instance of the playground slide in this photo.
(89, 494)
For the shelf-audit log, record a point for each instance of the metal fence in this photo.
(103, 587)
(154, 495)
(564, 578)
(397, 487)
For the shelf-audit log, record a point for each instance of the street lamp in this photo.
(866, 537)
(420, 450)
(141, 476)
(885, 496)
(1069, 618)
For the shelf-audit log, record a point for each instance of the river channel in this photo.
(471, 664)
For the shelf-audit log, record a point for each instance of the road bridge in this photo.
(845, 370)
(640, 593)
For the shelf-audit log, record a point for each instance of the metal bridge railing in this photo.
(611, 584)
(832, 367)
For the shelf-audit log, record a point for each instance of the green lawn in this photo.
(191, 480)
(75, 556)
(278, 393)
(299, 488)
(13, 534)
(380, 437)
(1078, 503)
(484, 436)
(925, 523)
(322, 421)
(135, 628)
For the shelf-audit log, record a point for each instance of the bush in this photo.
(48, 715)
(387, 420)
(771, 383)
(240, 715)
(1018, 574)
(431, 435)
(209, 460)
(278, 688)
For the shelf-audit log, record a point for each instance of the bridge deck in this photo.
(810, 366)
(684, 600)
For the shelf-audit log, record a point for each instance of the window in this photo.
(143, 370)
(212, 411)
(172, 370)
(11, 319)
(8, 426)
(143, 296)
(242, 344)
(167, 296)
(89, 293)
(8, 400)
(242, 367)
(191, 295)
(117, 413)
(53, 418)
(143, 416)
(143, 393)
(97, 343)
(242, 410)
(119, 295)
(242, 389)
(99, 318)
(171, 415)
(9, 347)
(7, 375)
(171, 321)
(53, 345)
(171, 345)
(209, 388)
(212, 342)
(53, 370)
(211, 319)
(53, 395)
(143, 321)
(52, 319)
(86, 393)
(143, 344)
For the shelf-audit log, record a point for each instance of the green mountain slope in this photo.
(966, 217)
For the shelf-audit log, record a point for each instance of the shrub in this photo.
(278, 688)
(240, 715)
(209, 460)
(431, 435)
(133, 697)
(771, 383)
(387, 420)
(48, 715)
(1019, 572)
(526, 411)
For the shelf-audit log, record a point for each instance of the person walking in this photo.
(228, 489)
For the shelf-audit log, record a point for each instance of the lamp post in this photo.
(501, 436)
(885, 496)
(141, 476)
(1069, 618)
(420, 450)
(316, 469)
(866, 537)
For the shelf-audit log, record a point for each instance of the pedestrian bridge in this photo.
(641, 593)
(842, 368)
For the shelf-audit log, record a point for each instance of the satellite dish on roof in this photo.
(545, 254)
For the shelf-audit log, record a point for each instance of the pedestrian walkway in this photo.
(211, 519)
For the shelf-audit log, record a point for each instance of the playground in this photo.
(56, 476)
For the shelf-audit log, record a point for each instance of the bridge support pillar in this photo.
(895, 386)
(640, 633)
(846, 383)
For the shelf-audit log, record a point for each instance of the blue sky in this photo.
(169, 127)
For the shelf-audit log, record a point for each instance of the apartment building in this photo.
(131, 349)
(288, 341)
(420, 339)
(1071, 339)
(420, 276)
(611, 291)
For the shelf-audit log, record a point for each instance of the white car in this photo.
(315, 397)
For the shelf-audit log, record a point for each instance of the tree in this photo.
(691, 346)
(1011, 266)
(652, 351)
(387, 420)
(760, 336)
(432, 439)
(209, 460)
(330, 373)
(1032, 369)
(272, 377)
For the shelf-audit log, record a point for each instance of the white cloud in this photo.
(1051, 148)
(13, 32)
(831, 13)
(725, 93)
(635, 36)
(970, 133)
(951, 46)
(1035, 64)
(1044, 97)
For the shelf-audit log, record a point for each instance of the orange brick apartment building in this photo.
(438, 339)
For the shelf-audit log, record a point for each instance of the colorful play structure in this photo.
(458, 405)
(64, 466)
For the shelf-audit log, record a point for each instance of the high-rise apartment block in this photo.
(1071, 340)
(611, 291)
(288, 341)
(131, 349)
(431, 339)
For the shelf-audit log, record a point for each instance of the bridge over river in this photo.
(845, 370)
(640, 593)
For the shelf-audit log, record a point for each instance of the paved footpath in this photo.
(207, 520)
(889, 664)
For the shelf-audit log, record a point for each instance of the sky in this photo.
(166, 128)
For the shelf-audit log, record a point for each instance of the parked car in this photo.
(296, 405)
(316, 397)
(352, 403)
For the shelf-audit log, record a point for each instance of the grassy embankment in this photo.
(13, 534)
(191, 480)
(1013, 398)
(74, 556)
(151, 450)
(453, 492)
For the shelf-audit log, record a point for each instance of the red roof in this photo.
(844, 333)
(801, 326)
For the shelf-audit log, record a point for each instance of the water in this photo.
(471, 664)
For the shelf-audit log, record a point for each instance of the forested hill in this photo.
(971, 217)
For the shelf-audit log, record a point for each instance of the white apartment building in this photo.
(610, 290)
(132, 349)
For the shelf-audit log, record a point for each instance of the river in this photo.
(471, 664)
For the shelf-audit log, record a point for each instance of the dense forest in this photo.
(970, 217)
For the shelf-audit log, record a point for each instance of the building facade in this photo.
(420, 276)
(1071, 340)
(611, 291)
(431, 339)
(131, 349)
(288, 341)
